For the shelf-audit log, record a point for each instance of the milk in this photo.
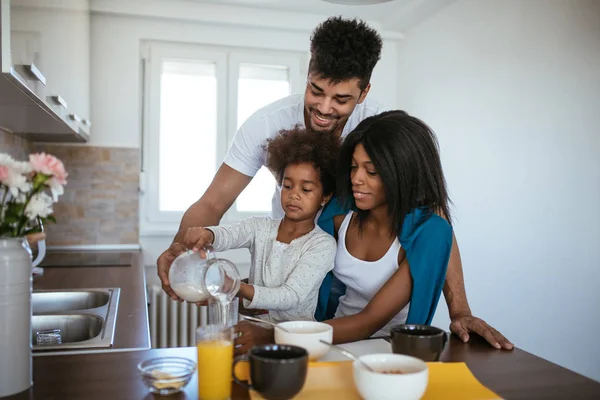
(190, 292)
(224, 305)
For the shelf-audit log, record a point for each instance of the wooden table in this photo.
(512, 374)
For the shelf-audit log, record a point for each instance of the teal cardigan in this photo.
(427, 240)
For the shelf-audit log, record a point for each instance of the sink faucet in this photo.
(41, 245)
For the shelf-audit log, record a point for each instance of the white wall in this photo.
(116, 65)
(512, 88)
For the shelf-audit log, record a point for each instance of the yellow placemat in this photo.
(455, 381)
(327, 380)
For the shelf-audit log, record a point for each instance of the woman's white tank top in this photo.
(363, 279)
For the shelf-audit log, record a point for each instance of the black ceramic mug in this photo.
(277, 372)
(421, 341)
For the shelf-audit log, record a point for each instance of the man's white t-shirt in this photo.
(247, 153)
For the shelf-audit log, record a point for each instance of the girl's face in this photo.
(301, 192)
(367, 187)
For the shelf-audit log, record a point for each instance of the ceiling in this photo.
(395, 15)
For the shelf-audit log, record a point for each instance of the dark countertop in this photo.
(69, 258)
(132, 330)
(511, 374)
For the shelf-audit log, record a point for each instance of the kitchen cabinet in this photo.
(45, 57)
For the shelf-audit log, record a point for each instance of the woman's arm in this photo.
(393, 296)
(312, 266)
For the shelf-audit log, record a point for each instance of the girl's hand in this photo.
(251, 312)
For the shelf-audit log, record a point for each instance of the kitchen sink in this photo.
(74, 319)
(50, 302)
(73, 328)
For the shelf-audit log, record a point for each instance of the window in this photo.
(188, 131)
(195, 98)
(259, 85)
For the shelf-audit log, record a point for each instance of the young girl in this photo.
(290, 256)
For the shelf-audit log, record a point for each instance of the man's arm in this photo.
(454, 287)
(462, 320)
(208, 211)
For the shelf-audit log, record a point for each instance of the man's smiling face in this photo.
(327, 105)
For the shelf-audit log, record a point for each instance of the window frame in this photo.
(292, 62)
(154, 222)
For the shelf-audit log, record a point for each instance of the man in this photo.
(343, 56)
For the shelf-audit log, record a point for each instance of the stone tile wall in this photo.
(100, 204)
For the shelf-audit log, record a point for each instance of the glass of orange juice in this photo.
(215, 358)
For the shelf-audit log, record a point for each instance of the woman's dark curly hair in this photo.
(343, 49)
(298, 145)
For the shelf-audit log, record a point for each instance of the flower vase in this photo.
(15, 316)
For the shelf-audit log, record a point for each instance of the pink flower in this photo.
(47, 164)
(3, 173)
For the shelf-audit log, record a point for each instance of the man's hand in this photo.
(251, 335)
(461, 325)
(198, 238)
(462, 321)
(164, 264)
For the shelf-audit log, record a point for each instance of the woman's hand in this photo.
(250, 335)
(198, 238)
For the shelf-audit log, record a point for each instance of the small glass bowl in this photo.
(166, 375)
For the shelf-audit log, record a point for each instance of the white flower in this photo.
(55, 187)
(16, 182)
(21, 167)
(5, 159)
(40, 205)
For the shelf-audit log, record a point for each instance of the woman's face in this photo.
(367, 187)
(301, 192)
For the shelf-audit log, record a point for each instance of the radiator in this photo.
(173, 323)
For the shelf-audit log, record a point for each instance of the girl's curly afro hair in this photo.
(298, 145)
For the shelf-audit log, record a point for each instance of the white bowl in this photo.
(306, 334)
(408, 385)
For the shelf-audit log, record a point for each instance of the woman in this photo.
(393, 247)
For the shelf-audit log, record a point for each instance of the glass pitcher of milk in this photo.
(194, 278)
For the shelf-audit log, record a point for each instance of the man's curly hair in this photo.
(343, 49)
(298, 145)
